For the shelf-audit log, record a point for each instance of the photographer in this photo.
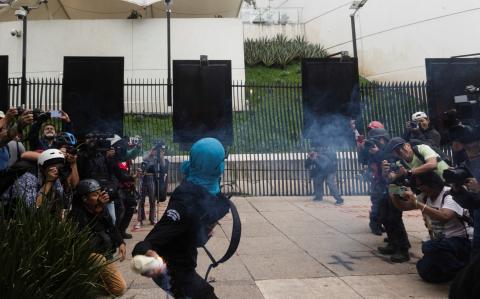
(12, 125)
(89, 212)
(154, 167)
(46, 140)
(465, 179)
(448, 249)
(47, 188)
(322, 165)
(419, 131)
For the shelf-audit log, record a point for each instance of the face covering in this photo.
(206, 164)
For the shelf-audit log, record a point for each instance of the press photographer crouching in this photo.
(88, 210)
(412, 160)
(448, 249)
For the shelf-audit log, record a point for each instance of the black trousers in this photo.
(186, 285)
(125, 205)
(391, 218)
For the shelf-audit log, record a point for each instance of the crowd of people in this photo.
(89, 181)
(412, 172)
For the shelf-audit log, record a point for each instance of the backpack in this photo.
(442, 156)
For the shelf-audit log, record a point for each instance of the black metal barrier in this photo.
(268, 152)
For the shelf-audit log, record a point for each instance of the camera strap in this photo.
(234, 240)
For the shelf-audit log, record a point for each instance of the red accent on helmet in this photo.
(375, 125)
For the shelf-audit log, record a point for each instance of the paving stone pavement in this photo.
(292, 247)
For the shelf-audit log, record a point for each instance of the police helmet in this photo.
(378, 133)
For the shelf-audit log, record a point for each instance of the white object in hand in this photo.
(143, 264)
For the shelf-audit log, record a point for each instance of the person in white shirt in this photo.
(448, 249)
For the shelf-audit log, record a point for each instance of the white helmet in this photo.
(114, 139)
(50, 155)
(417, 115)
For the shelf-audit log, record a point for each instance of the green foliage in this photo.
(279, 50)
(43, 257)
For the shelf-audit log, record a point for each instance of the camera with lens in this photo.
(413, 124)
(64, 172)
(369, 144)
(457, 176)
(38, 114)
(98, 142)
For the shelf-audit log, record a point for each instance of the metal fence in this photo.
(268, 152)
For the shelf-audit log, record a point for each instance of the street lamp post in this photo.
(23, 99)
(169, 58)
(22, 14)
(356, 5)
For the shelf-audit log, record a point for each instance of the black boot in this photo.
(400, 256)
(376, 228)
(387, 249)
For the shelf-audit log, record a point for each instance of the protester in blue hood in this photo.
(206, 164)
(193, 209)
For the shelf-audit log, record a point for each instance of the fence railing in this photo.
(268, 152)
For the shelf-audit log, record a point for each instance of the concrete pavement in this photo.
(293, 247)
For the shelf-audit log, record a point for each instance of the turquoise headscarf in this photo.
(206, 164)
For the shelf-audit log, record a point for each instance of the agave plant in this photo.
(42, 257)
(280, 50)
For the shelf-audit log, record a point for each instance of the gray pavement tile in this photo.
(328, 243)
(257, 230)
(232, 270)
(237, 290)
(346, 263)
(351, 226)
(328, 288)
(395, 286)
(273, 205)
(284, 265)
(288, 217)
(154, 293)
(305, 228)
(267, 245)
(368, 239)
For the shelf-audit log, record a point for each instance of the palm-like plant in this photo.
(43, 257)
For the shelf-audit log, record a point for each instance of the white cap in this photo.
(418, 115)
(2, 115)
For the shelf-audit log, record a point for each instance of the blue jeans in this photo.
(331, 183)
(442, 259)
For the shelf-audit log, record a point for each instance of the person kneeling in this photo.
(88, 210)
(448, 249)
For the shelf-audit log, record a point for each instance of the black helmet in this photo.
(87, 186)
(378, 133)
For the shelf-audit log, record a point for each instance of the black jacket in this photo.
(184, 226)
(325, 163)
(105, 236)
(429, 137)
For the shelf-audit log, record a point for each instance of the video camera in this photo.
(38, 114)
(98, 142)
(467, 108)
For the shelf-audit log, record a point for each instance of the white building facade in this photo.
(393, 36)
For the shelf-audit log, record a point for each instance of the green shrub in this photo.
(43, 257)
(279, 50)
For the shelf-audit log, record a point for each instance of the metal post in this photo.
(169, 79)
(23, 99)
(354, 35)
